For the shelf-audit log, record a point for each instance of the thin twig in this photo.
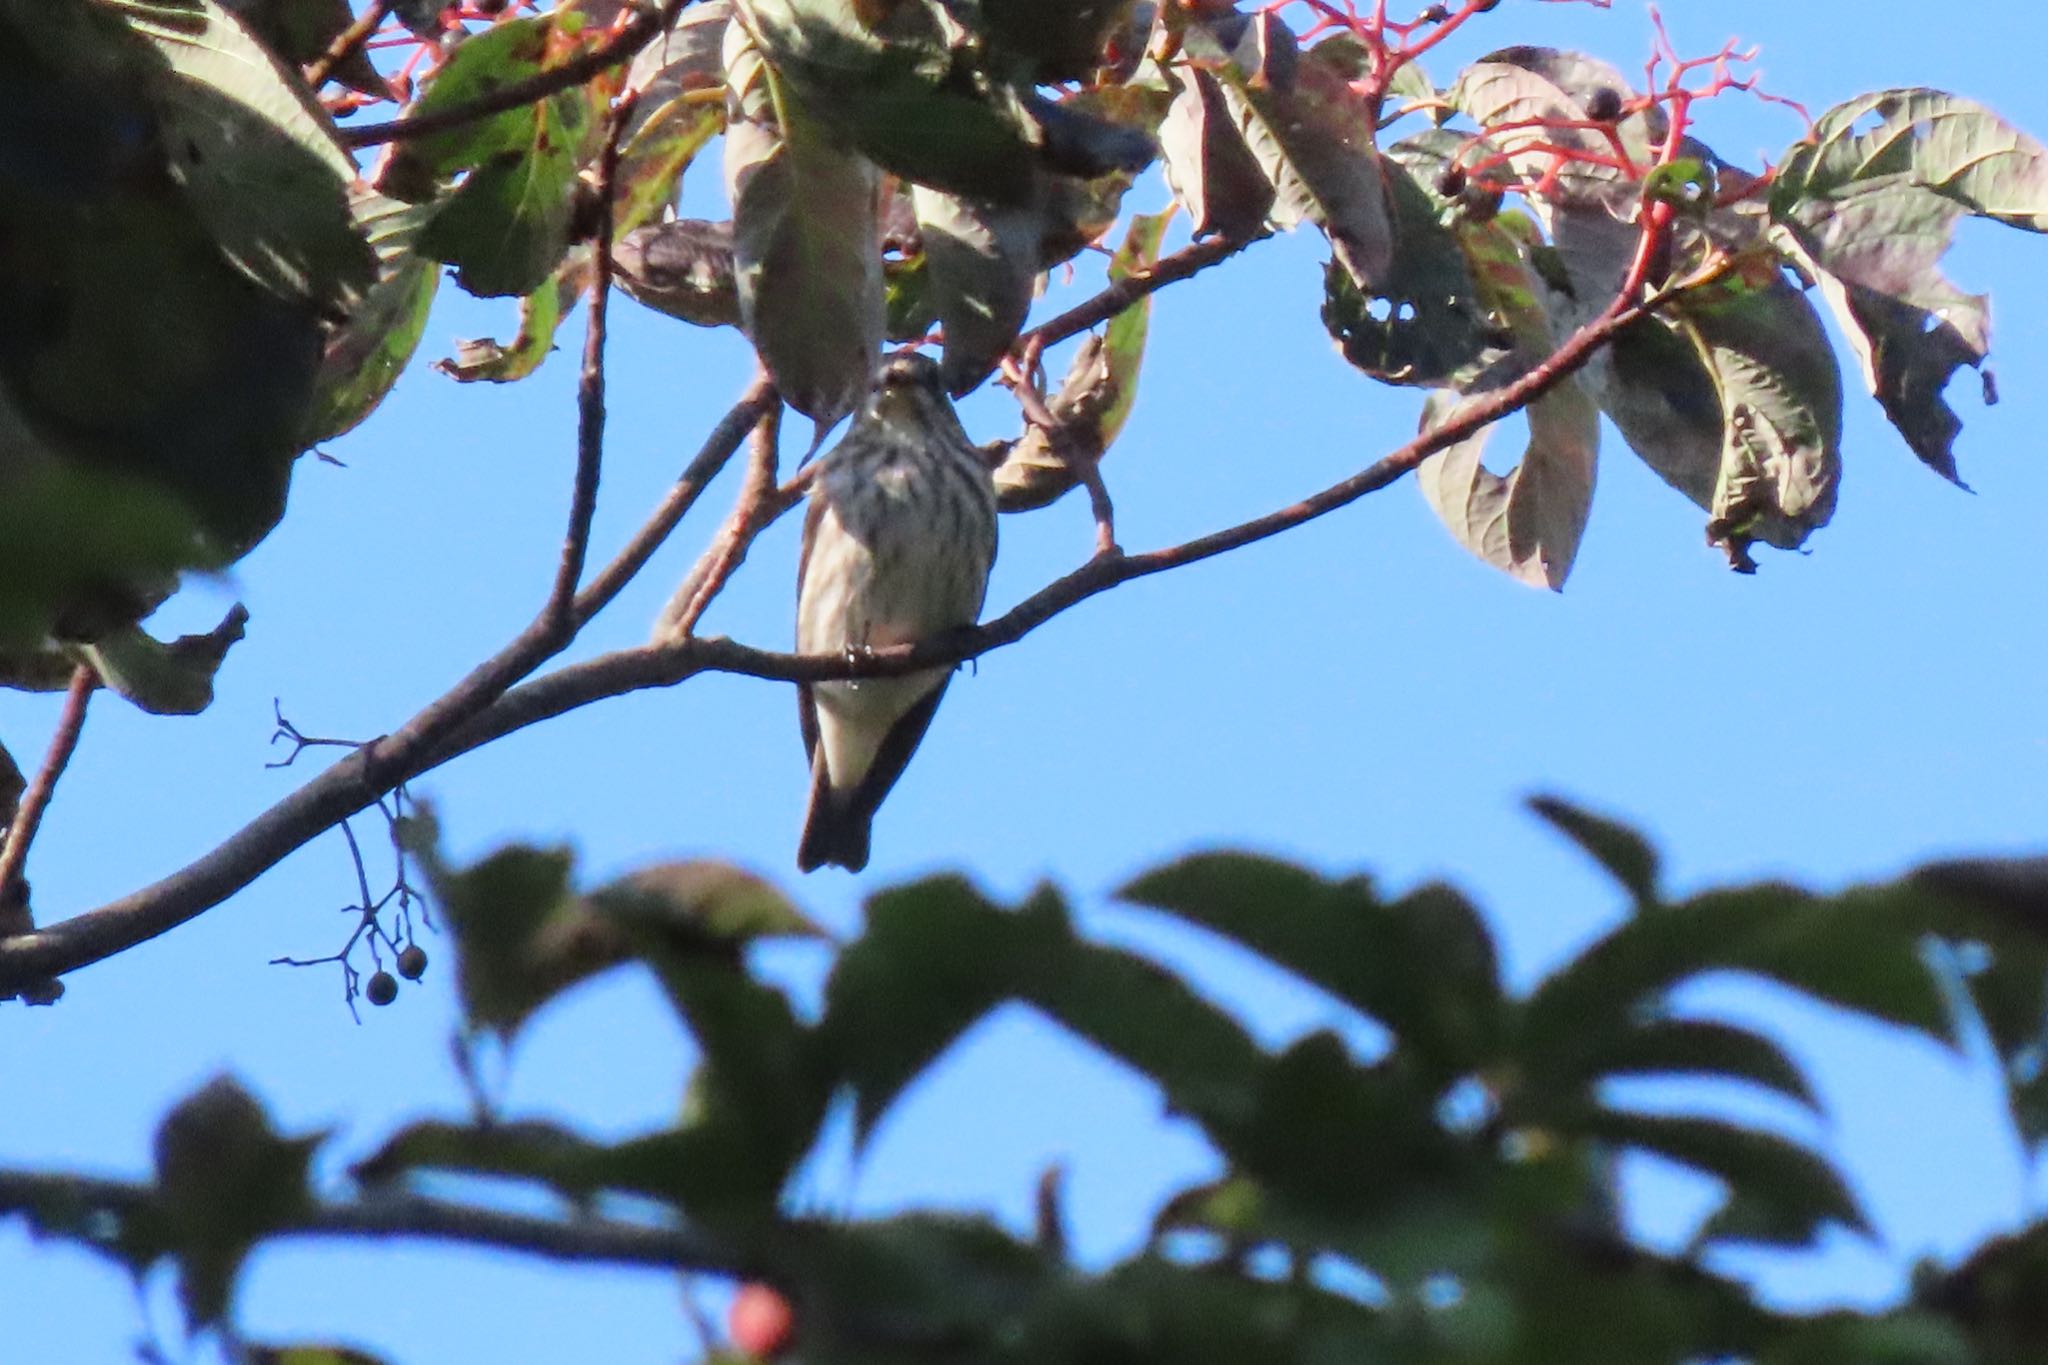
(362, 777)
(561, 606)
(486, 705)
(28, 814)
(635, 34)
(1086, 466)
(347, 43)
(751, 512)
(1121, 294)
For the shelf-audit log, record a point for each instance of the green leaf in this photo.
(1868, 214)
(1626, 855)
(224, 1178)
(804, 243)
(298, 31)
(983, 266)
(1310, 134)
(174, 679)
(703, 899)
(1424, 965)
(1780, 1193)
(655, 155)
(365, 355)
(256, 157)
(506, 228)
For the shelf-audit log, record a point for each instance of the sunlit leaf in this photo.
(165, 679)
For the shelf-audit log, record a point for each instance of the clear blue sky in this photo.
(1358, 694)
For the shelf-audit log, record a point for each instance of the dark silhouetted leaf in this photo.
(525, 1149)
(804, 243)
(982, 261)
(1429, 318)
(1212, 172)
(305, 1354)
(1702, 1048)
(224, 1178)
(174, 679)
(1626, 854)
(1424, 965)
(1310, 134)
(1779, 1192)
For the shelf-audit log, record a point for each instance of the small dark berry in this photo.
(1435, 14)
(1604, 105)
(490, 6)
(1450, 182)
(412, 962)
(381, 988)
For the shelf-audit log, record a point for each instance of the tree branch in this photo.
(410, 1218)
(636, 33)
(486, 705)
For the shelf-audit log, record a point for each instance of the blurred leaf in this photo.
(682, 268)
(1060, 39)
(1626, 855)
(1868, 214)
(1780, 1193)
(298, 31)
(983, 265)
(1095, 398)
(224, 1178)
(1310, 134)
(256, 157)
(804, 243)
(1857, 951)
(523, 936)
(688, 56)
(1079, 209)
(1208, 165)
(526, 1149)
(1424, 965)
(1704, 1049)
(702, 899)
(174, 679)
(1904, 1337)
(309, 1355)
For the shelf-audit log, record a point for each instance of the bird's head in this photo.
(908, 389)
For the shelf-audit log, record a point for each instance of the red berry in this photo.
(761, 1322)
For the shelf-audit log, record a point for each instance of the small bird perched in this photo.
(898, 541)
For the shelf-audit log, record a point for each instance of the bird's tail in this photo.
(836, 827)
